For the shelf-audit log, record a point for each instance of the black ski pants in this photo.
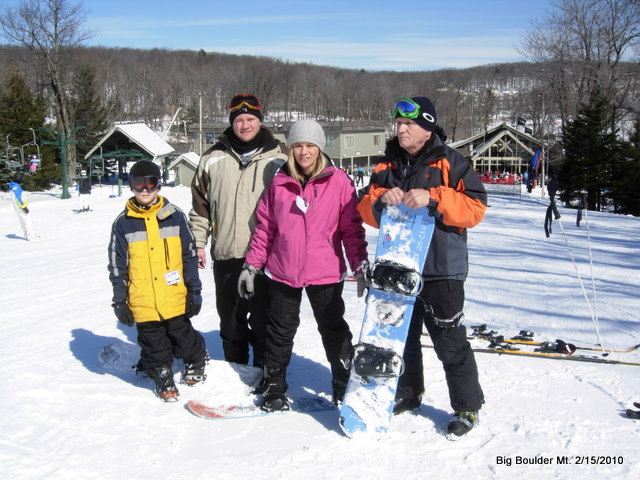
(161, 341)
(242, 322)
(445, 299)
(283, 320)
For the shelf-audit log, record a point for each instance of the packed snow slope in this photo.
(72, 408)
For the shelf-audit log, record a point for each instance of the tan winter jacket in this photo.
(225, 195)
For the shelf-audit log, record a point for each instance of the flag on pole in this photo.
(536, 160)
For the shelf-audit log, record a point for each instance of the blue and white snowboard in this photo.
(404, 239)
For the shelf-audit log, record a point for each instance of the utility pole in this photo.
(201, 134)
(7, 140)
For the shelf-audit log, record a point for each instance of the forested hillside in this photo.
(150, 85)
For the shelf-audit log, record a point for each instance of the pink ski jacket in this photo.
(301, 232)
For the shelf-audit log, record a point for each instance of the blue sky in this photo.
(370, 34)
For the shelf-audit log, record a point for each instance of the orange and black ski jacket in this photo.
(458, 200)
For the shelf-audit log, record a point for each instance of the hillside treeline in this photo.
(150, 85)
(108, 85)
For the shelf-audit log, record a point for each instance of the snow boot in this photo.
(165, 386)
(402, 405)
(461, 424)
(339, 389)
(195, 372)
(140, 370)
(635, 414)
(274, 391)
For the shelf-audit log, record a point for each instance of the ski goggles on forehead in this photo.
(407, 108)
(141, 183)
(244, 100)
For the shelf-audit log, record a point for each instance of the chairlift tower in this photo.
(62, 143)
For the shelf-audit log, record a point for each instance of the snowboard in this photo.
(402, 247)
(220, 412)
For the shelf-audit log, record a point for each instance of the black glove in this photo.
(361, 274)
(25, 210)
(245, 282)
(194, 304)
(123, 312)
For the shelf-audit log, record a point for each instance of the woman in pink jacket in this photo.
(305, 217)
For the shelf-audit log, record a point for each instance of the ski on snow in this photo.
(558, 350)
(526, 338)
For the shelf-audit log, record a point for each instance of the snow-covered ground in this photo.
(70, 412)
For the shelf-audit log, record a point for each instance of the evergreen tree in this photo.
(21, 116)
(625, 183)
(591, 148)
(88, 110)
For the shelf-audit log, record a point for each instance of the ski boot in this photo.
(195, 372)
(165, 386)
(373, 361)
(461, 424)
(274, 391)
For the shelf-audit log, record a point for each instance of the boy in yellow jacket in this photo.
(153, 268)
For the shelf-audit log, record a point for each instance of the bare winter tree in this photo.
(48, 29)
(582, 45)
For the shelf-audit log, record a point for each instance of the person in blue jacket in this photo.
(21, 207)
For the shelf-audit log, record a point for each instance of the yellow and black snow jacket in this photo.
(152, 260)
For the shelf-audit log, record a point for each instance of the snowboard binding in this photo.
(373, 361)
(393, 277)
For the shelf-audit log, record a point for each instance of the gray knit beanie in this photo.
(308, 131)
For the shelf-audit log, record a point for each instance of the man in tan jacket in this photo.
(229, 181)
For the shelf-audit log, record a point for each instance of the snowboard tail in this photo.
(226, 411)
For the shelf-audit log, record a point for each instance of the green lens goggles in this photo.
(407, 108)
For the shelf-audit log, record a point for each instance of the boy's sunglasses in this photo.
(244, 100)
(141, 183)
(407, 108)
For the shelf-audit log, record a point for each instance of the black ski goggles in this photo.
(140, 184)
(244, 100)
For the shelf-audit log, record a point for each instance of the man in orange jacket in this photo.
(419, 170)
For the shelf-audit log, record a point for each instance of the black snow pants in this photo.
(242, 322)
(161, 341)
(445, 299)
(283, 320)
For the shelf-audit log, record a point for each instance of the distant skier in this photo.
(360, 175)
(21, 207)
(552, 209)
(153, 268)
(84, 190)
(552, 188)
(581, 206)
